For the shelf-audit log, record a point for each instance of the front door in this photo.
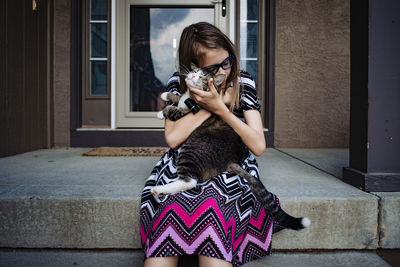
(147, 38)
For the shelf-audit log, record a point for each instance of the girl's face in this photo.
(215, 56)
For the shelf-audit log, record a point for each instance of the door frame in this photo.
(145, 137)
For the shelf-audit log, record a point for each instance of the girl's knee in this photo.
(205, 261)
(161, 262)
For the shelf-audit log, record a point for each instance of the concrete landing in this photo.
(330, 160)
(121, 259)
(58, 199)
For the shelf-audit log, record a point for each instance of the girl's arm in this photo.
(176, 132)
(251, 132)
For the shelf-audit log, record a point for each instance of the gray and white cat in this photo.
(214, 147)
(196, 78)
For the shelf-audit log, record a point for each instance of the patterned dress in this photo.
(219, 218)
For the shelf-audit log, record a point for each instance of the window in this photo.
(248, 36)
(98, 52)
(96, 64)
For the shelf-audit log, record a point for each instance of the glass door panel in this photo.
(154, 39)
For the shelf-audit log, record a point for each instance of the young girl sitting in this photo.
(221, 220)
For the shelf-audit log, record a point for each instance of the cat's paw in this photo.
(164, 96)
(156, 190)
(160, 115)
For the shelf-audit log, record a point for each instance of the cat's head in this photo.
(199, 78)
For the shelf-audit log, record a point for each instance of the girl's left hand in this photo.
(209, 100)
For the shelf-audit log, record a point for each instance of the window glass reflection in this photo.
(98, 9)
(249, 36)
(248, 40)
(98, 77)
(251, 67)
(99, 40)
(248, 10)
(154, 40)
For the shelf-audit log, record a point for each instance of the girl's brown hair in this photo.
(205, 35)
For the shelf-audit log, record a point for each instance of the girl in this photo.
(220, 220)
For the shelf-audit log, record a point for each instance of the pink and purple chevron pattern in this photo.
(219, 218)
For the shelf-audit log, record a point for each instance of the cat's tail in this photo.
(267, 200)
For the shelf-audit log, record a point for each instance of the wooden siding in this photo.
(24, 76)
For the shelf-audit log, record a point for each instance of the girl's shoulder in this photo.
(246, 80)
(173, 84)
(245, 74)
(175, 78)
(248, 94)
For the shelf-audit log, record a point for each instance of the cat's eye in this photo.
(226, 64)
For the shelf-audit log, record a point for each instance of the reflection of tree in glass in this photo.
(98, 9)
(99, 40)
(145, 86)
(99, 78)
(167, 24)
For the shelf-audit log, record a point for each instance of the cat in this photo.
(196, 78)
(214, 147)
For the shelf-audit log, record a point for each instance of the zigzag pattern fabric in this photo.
(219, 218)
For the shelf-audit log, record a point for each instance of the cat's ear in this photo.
(219, 78)
(193, 66)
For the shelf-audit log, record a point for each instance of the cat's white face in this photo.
(194, 78)
(198, 78)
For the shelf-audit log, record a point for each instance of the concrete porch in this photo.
(57, 205)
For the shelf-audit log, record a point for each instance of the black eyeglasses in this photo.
(226, 64)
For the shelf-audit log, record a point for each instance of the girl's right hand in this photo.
(209, 100)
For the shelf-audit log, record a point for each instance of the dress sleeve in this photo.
(248, 95)
(173, 86)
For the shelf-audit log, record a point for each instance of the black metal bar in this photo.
(76, 66)
(270, 72)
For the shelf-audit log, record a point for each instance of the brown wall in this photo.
(312, 89)
(23, 77)
(61, 34)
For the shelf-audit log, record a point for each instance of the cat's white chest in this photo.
(181, 103)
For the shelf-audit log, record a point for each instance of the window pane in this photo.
(99, 40)
(248, 10)
(249, 36)
(154, 40)
(98, 9)
(98, 77)
(251, 67)
(248, 40)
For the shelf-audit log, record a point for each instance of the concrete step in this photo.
(58, 199)
(135, 258)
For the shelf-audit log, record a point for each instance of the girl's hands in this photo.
(210, 100)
